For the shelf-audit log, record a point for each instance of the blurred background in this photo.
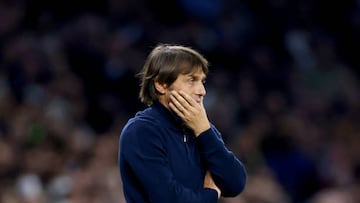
(283, 89)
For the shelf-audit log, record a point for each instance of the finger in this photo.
(177, 104)
(187, 98)
(176, 110)
(181, 100)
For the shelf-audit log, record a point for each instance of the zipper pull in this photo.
(185, 138)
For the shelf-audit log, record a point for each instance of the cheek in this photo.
(175, 87)
(188, 89)
(185, 87)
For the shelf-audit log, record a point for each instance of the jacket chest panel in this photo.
(184, 159)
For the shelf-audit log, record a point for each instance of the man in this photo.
(170, 152)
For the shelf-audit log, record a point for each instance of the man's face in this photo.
(192, 84)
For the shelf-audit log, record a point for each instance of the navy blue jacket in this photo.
(162, 161)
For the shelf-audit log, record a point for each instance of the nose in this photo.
(200, 89)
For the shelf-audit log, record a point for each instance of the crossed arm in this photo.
(216, 155)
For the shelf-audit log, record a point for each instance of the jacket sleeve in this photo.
(227, 170)
(143, 149)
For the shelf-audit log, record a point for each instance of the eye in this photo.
(203, 81)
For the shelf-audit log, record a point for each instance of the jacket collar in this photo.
(170, 118)
(167, 115)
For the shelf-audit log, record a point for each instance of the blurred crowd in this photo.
(283, 89)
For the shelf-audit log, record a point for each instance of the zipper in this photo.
(185, 138)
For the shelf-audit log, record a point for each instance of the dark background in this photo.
(283, 89)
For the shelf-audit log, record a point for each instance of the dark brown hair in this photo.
(164, 64)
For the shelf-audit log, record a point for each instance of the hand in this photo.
(191, 112)
(209, 183)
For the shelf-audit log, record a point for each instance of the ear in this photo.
(160, 87)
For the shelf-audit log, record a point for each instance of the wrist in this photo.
(201, 130)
